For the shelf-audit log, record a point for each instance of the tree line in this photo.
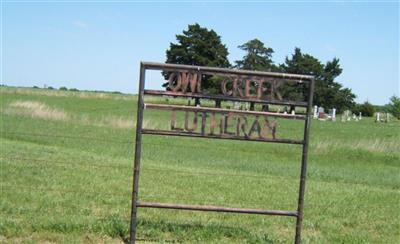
(200, 46)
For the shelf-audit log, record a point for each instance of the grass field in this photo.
(66, 176)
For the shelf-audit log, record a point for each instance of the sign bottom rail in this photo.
(216, 209)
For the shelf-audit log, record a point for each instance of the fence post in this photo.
(303, 172)
(138, 150)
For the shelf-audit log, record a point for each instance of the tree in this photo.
(366, 109)
(327, 92)
(199, 46)
(258, 57)
(394, 106)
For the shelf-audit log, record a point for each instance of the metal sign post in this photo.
(224, 123)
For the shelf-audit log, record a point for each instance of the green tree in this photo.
(366, 109)
(394, 106)
(199, 46)
(327, 93)
(258, 57)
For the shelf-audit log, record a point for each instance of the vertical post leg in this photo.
(138, 150)
(303, 171)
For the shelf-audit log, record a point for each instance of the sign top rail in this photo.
(166, 66)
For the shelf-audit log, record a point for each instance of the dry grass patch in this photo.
(371, 145)
(117, 122)
(152, 124)
(377, 145)
(108, 121)
(36, 109)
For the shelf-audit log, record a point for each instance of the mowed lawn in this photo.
(66, 176)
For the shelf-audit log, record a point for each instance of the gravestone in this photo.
(320, 110)
(315, 112)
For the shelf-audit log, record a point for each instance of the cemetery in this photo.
(74, 164)
(173, 122)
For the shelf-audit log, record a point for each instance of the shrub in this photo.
(367, 109)
(50, 88)
(356, 109)
(394, 106)
(381, 108)
(63, 88)
(73, 89)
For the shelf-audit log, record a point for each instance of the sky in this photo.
(99, 45)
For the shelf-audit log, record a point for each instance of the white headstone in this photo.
(359, 115)
(293, 113)
(315, 112)
(378, 117)
(334, 114)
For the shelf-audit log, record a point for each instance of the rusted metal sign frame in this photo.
(211, 70)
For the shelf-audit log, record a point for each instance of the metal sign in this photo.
(240, 87)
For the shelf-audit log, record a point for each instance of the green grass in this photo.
(69, 178)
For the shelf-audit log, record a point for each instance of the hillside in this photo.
(66, 176)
